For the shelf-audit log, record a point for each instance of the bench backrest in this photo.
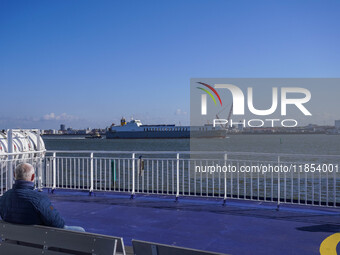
(148, 248)
(32, 239)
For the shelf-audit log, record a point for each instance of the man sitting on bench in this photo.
(24, 205)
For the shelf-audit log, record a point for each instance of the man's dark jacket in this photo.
(24, 205)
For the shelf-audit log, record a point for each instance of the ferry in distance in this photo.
(136, 130)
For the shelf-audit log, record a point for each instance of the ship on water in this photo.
(136, 130)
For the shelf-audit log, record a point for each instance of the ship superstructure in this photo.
(136, 130)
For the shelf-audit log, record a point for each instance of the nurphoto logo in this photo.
(295, 96)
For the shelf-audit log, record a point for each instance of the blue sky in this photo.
(87, 63)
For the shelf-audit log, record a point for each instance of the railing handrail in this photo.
(21, 153)
(192, 153)
(171, 152)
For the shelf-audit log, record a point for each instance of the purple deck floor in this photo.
(238, 228)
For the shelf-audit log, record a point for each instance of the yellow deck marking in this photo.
(328, 246)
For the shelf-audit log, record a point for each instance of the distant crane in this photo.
(226, 126)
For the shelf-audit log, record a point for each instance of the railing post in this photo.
(39, 165)
(177, 182)
(10, 159)
(334, 188)
(54, 172)
(133, 176)
(278, 183)
(91, 174)
(225, 180)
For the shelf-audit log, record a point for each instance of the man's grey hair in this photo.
(24, 171)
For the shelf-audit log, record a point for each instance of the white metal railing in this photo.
(174, 173)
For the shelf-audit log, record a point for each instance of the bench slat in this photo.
(12, 249)
(61, 238)
(22, 233)
(83, 241)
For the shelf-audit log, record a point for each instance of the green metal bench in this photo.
(34, 239)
